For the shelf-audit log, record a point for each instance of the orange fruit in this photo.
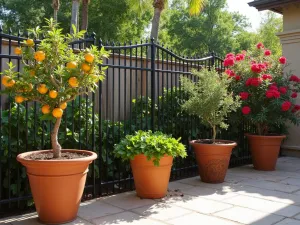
(42, 89)
(32, 73)
(71, 65)
(19, 99)
(63, 105)
(53, 94)
(85, 67)
(29, 42)
(7, 81)
(39, 56)
(18, 51)
(57, 112)
(73, 82)
(46, 109)
(89, 57)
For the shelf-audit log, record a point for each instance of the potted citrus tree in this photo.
(268, 100)
(54, 75)
(210, 100)
(151, 157)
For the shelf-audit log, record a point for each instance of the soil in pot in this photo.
(265, 151)
(57, 184)
(151, 181)
(213, 159)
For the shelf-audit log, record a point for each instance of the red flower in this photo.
(256, 68)
(269, 94)
(229, 55)
(283, 90)
(266, 77)
(273, 94)
(229, 61)
(260, 45)
(230, 73)
(282, 60)
(246, 110)
(294, 78)
(248, 81)
(294, 95)
(268, 52)
(296, 108)
(256, 81)
(237, 78)
(240, 57)
(286, 106)
(262, 66)
(244, 95)
(273, 87)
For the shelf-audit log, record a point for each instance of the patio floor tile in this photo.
(291, 181)
(264, 205)
(179, 186)
(197, 218)
(288, 222)
(162, 211)
(128, 200)
(94, 209)
(249, 216)
(125, 218)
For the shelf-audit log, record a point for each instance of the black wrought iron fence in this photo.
(141, 91)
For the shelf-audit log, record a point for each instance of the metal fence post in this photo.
(213, 59)
(152, 84)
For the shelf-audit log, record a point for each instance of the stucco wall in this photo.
(290, 39)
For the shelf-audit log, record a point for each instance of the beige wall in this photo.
(290, 39)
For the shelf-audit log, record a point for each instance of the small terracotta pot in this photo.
(151, 181)
(264, 151)
(57, 185)
(213, 160)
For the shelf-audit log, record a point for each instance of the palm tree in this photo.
(55, 6)
(75, 15)
(84, 16)
(195, 7)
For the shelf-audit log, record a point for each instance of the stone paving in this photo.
(247, 197)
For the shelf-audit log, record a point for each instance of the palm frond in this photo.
(196, 6)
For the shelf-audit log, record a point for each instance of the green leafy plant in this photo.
(153, 145)
(209, 99)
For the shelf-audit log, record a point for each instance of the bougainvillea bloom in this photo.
(260, 45)
(296, 108)
(256, 68)
(229, 55)
(266, 77)
(256, 81)
(294, 78)
(244, 95)
(273, 94)
(229, 61)
(294, 95)
(282, 60)
(240, 57)
(237, 77)
(246, 110)
(286, 106)
(230, 73)
(268, 52)
(283, 90)
(273, 87)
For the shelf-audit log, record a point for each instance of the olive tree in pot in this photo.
(151, 157)
(54, 75)
(210, 100)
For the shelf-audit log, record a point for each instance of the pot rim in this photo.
(227, 143)
(92, 156)
(265, 136)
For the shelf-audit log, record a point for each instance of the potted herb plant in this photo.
(151, 157)
(268, 100)
(54, 75)
(210, 100)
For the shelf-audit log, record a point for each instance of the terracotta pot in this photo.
(264, 151)
(151, 181)
(213, 160)
(57, 185)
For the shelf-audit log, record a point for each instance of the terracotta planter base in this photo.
(213, 160)
(151, 181)
(57, 185)
(264, 151)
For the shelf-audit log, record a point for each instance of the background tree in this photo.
(84, 16)
(75, 15)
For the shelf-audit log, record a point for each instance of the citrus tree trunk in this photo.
(55, 5)
(55, 15)
(75, 12)
(54, 139)
(85, 13)
(158, 8)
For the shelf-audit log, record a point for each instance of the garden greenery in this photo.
(154, 145)
(209, 99)
(268, 94)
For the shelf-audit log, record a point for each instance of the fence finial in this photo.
(93, 35)
(152, 39)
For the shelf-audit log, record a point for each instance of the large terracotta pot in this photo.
(151, 181)
(57, 185)
(213, 160)
(265, 151)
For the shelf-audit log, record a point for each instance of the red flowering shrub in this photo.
(268, 94)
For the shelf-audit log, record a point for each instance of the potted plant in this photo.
(54, 75)
(268, 100)
(151, 157)
(210, 100)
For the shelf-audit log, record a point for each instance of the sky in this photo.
(242, 7)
